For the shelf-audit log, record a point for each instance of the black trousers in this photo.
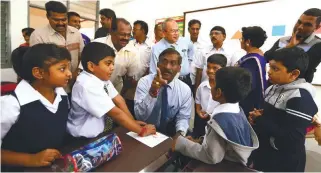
(130, 105)
(199, 126)
(267, 159)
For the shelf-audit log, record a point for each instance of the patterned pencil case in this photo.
(91, 155)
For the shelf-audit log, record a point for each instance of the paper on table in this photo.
(151, 140)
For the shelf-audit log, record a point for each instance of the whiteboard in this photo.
(265, 14)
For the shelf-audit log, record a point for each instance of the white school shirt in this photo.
(89, 105)
(10, 107)
(127, 62)
(204, 98)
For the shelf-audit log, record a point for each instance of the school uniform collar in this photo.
(227, 108)
(92, 79)
(27, 94)
(52, 31)
(207, 84)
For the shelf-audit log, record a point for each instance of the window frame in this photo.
(68, 8)
(7, 64)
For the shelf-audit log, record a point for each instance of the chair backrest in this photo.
(7, 87)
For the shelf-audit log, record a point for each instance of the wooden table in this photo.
(135, 156)
(224, 166)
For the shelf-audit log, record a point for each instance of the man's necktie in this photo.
(108, 120)
(164, 110)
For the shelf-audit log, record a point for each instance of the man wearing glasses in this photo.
(172, 40)
(217, 35)
(126, 61)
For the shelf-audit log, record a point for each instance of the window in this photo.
(88, 11)
(5, 35)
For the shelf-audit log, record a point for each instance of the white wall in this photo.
(150, 10)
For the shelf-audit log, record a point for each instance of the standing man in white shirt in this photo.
(194, 27)
(142, 43)
(127, 62)
(217, 35)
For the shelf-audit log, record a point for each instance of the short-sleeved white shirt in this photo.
(10, 107)
(204, 97)
(89, 104)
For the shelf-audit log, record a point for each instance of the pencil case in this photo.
(91, 155)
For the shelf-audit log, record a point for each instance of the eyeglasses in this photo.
(173, 31)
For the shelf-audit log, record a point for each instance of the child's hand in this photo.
(141, 123)
(44, 158)
(150, 130)
(251, 119)
(202, 114)
(189, 138)
(192, 139)
(256, 113)
(317, 134)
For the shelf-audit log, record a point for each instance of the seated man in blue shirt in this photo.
(163, 100)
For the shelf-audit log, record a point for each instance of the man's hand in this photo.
(44, 158)
(157, 83)
(294, 40)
